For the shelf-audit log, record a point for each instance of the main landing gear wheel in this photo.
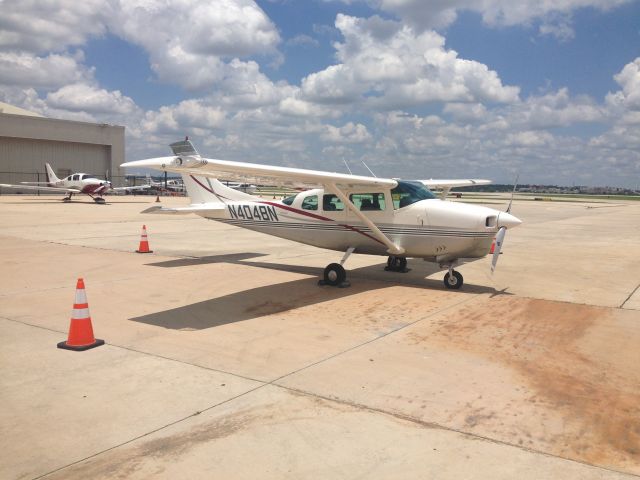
(66, 199)
(454, 281)
(99, 200)
(334, 275)
(396, 264)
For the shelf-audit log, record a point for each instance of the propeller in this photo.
(497, 246)
(505, 221)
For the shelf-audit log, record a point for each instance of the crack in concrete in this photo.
(630, 295)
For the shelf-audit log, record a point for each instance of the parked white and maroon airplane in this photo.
(348, 213)
(74, 183)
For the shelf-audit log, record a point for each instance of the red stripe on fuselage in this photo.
(299, 212)
(320, 217)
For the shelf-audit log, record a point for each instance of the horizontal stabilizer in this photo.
(198, 209)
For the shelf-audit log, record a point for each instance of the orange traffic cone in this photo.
(80, 331)
(144, 243)
(157, 198)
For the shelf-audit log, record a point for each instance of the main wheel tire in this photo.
(334, 274)
(99, 200)
(454, 281)
(396, 264)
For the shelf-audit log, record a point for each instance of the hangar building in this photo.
(28, 140)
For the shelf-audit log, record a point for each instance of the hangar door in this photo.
(21, 160)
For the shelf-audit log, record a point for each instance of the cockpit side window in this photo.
(331, 203)
(408, 192)
(289, 200)
(76, 177)
(368, 201)
(310, 203)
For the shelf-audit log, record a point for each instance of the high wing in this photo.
(259, 174)
(454, 183)
(35, 187)
(446, 185)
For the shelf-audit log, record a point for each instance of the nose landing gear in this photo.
(453, 279)
(335, 274)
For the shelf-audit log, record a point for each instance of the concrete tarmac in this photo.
(225, 359)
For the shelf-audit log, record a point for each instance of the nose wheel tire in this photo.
(334, 274)
(454, 281)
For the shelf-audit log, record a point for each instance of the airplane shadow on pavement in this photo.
(284, 297)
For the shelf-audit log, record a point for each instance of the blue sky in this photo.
(413, 88)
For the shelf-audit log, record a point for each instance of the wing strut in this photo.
(375, 231)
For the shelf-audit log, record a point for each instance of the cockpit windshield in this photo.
(408, 192)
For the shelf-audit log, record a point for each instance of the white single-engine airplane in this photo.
(349, 213)
(74, 183)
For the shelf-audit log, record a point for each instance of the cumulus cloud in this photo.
(629, 80)
(348, 133)
(189, 42)
(48, 72)
(388, 65)
(87, 98)
(183, 118)
(34, 26)
(555, 16)
(191, 39)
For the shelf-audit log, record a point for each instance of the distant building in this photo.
(28, 140)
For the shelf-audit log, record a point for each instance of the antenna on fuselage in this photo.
(347, 165)
(365, 166)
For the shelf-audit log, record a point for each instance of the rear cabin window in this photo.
(368, 201)
(310, 203)
(289, 200)
(76, 177)
(331, 203)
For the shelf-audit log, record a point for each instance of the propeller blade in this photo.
(515, 185)
(498, 247)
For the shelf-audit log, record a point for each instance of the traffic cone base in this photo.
(80, 329)
(80, 348)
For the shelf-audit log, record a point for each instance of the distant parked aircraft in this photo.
(74, 183)
(242, 187)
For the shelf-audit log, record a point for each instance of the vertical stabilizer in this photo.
(51, 176)
(209, 190)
